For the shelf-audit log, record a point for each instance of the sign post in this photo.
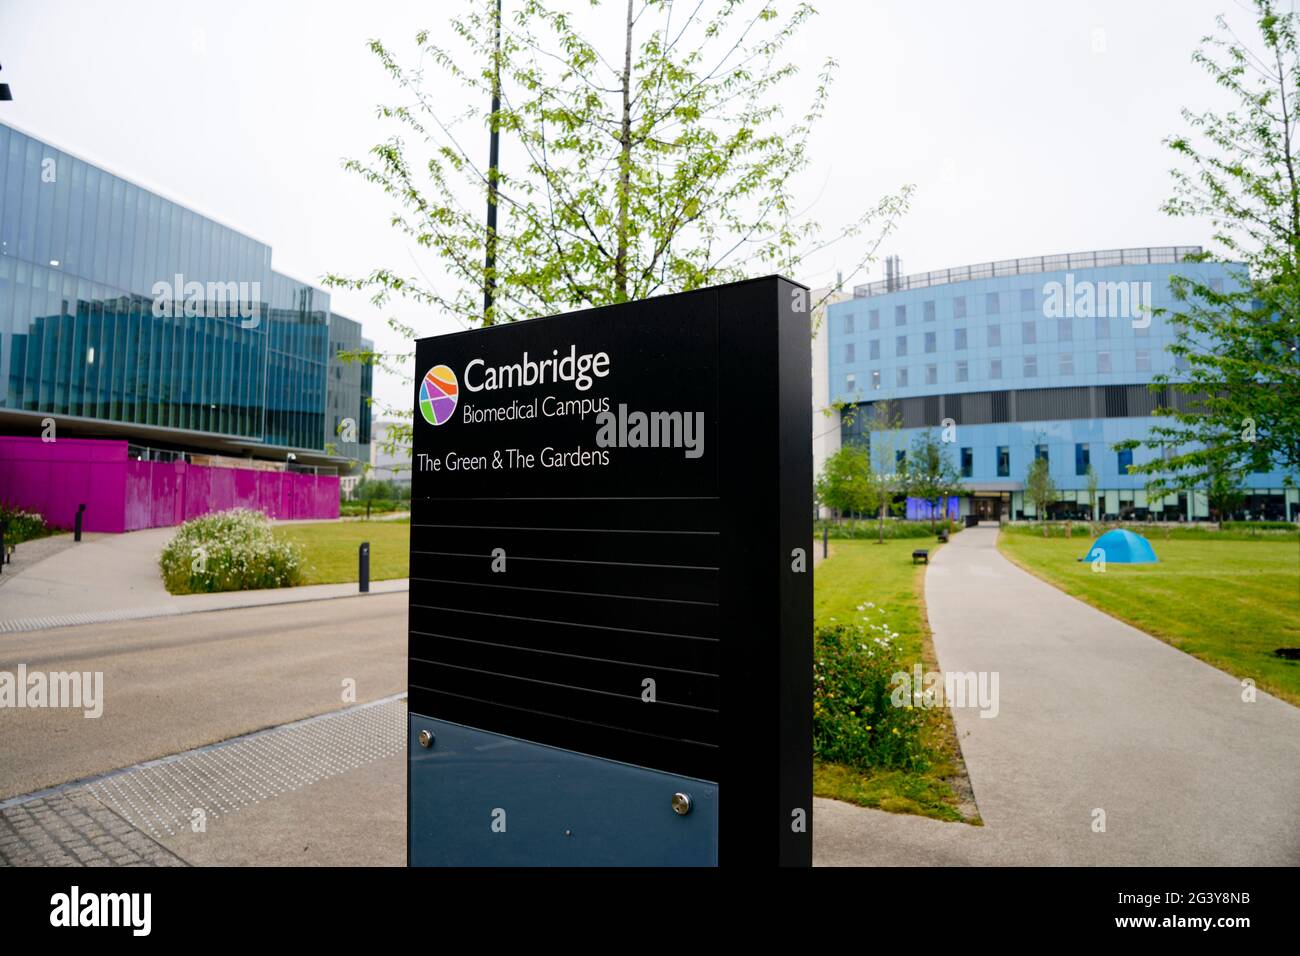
(611, 586)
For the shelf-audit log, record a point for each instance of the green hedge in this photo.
(855, 721)
(1163, 530)
(379, 506)
(229, 551)
(1258, 526)
(865, 528)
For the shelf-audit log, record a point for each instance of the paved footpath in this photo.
(1093, 715)
(114, 577)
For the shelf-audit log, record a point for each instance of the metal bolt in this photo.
(681, 804)
(426, 739)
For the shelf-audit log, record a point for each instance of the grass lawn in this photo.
(858, 572)
(330, 548)
(1229, 602)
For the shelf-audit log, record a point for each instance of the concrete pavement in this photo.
(173, 684)
(1094, 717)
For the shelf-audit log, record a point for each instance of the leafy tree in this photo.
(1225, 491)
(843, 483)
(1041, 489)
(1092, 482)
(664, 166)
(1239, 346)
(887, 468)
(931, 475)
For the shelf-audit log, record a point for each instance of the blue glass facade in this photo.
(1029, 357)
(124, 312)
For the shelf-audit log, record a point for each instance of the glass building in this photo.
(1047, 356)
(125, 314)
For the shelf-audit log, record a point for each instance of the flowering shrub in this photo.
(229, 551)
(20, 526)
(854, 720)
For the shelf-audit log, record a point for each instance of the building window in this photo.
(900, 345)
(850, 382)
(875, 378)
(900, 315)
(1103, 362)
(967, 462)
(929, 310)
(1143, 359)
(1004, 461)
(963, 371)
(1101, 324)
(1031, 366)
(1040, 453)
(1125, 460)
(1144, 329)
(848, 325)
(931, 341)
(849, 351)
(1216, 285)
(959, 339)
(873, 319)
(902, 378)
(1082, 458)
(875, 348)
(1182, 363)
(995, 336)
(1064, 330)
(992, 303)
(1027, 303)
(932, 375)
(1067, 363)
(959, 307)
(1028, 333)
(995, 368)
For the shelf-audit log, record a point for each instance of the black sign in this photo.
(611, 527)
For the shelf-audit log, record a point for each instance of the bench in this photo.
(943, 537)
(922, 553)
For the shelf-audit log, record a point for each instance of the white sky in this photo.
(1020, 137)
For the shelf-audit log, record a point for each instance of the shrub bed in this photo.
(229, 551)
(20, 526)
(855, 721)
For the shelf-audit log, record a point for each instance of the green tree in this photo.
(1225, 491)
(1092, 482)
(1238, 347)
(1040, 488)
(931, 475)
(664, 166)
(887, 468)
(843, 484)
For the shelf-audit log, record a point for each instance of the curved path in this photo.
(1092, 715)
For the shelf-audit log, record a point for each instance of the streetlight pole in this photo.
(494, 149)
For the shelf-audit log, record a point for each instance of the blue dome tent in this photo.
(1122, 546)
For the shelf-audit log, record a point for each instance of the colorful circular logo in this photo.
(438, 394)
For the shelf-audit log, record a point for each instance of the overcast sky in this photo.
(1028, 128)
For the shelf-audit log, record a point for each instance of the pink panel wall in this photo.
(121, 495)
(55, 477)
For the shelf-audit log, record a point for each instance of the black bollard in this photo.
(826, 541)
(76, 532)
(367, 509)
(363, 569)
